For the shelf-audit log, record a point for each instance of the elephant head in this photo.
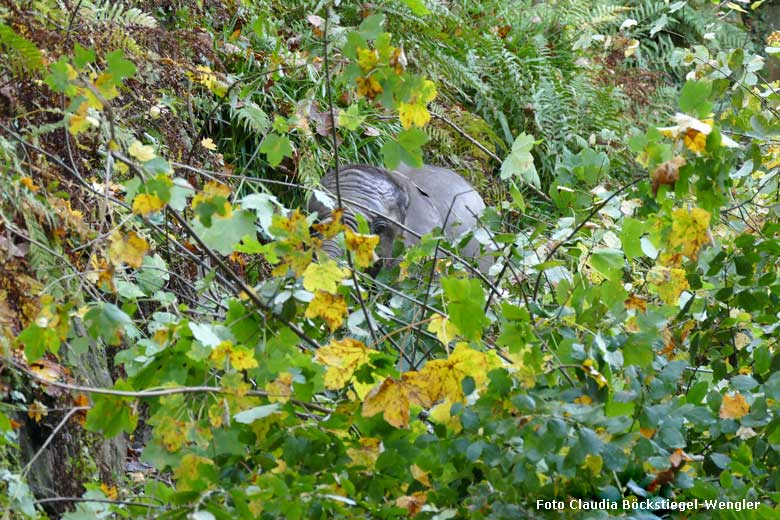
(420, 199)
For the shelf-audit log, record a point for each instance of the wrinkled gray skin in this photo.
(419, 198)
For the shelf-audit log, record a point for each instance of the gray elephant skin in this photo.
(419, 198)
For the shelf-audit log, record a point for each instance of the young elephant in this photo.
(419, 198)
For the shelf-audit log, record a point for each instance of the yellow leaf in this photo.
(37, 410)
(647, 432)
(78, 121)
(443, 328)
(366, 455)
(280, 389)
(594, 463)
(128, 249)
(367, 59)
(241, 358)
(147, 203)
(668, 283)
(324, 276)
(188, 473)
(583, 399)
(106, 86)
(28, 183)
(362, 245)
(413, 114)
(109, 491)
(427, 92)
(208, 144)
(368, 87)
(420, 476)
(332, 227)
(441, 414)
(589, 366)
(525, 372)
(142, 152)
(689, 231)
(733, 406)
(342, 358)
(391, 398)
(329, 307)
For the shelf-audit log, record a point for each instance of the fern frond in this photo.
(112, 12)
(27, 54)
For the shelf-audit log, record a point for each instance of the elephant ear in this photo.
(421, 213)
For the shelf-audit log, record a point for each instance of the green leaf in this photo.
(520, 162)
(225, 233)
(107, 321)
(111, 414)
(417, 7)
(407, 148)
(57, 79)
(351, 118)
(372, 26)
(37, 341)
(276, 147)
(631, 237)
(465, 305)
(694, 98)
(253, 414)
(119, 67)
(82, 56)
(608, 262)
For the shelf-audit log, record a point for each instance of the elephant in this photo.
(420, 199)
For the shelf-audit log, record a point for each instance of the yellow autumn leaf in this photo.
(242, 358)
(342, 358)
(324, 276)
(441, 414)
(689, 231)
(109, 491)
(427, 92)
(329, 307)
(594, 463)
(733, 406)
(366, 455)
(362, 246)
(127, 249)
(78, 121)
(280, 389)
(37, 411)
(142, 152)
(147, 203)
(589, 366)
(442, 378)
(188, 473)
(421, 476)
(443, 328)
(333, 226)
(391, 398)
(28, 183)
(413, 114)
(367, 59)
(106, 86)
(668, 283)
(208, 144)
(368, 87)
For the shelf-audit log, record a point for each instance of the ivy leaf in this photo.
(407, 148)
(276, 147)
(520, 162)
(465, 304)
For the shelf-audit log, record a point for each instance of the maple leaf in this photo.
(147, 203)
(413, 114)
(391, 397)
(142, 152)
(733, 406)
(367, 59)
(689, 231)
(362, 245)
(128, 249)
(443, 328)
(329, 307)
(37, 410)
(368, 87)
(668, 283)
(208, 144)
(442, 414)
(324, 276)
(280, 389)
(332, 227)
(241, 358)
(342, 358)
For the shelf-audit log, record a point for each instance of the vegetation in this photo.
(176, 345)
